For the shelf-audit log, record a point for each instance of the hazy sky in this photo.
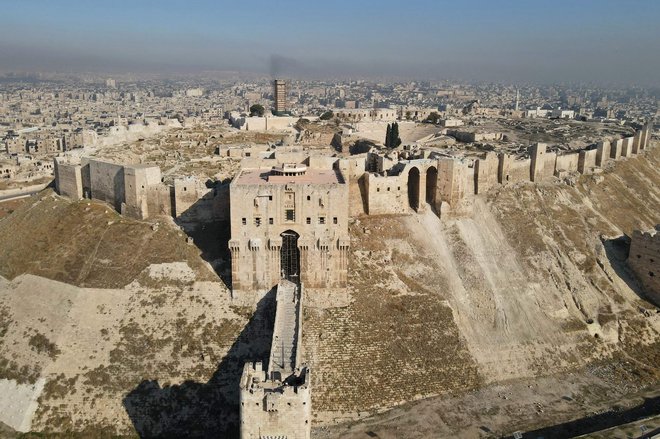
(558, 40)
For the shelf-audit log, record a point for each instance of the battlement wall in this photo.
(459, 179)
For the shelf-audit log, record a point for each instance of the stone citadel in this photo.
(289, 212)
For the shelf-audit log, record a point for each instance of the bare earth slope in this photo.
(535, 286)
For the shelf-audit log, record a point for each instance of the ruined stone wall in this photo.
(567, 162)
(627, 147)
(537, 157)
(160, 200)
(133, 190)
(453, 176)
(644, 259)
(455, 182)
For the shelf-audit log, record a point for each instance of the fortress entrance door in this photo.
(290, 256)
(413, 188)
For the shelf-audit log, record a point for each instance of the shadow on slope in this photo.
(617, 250)
(204, 410)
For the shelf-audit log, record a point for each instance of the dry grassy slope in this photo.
(86, 243)
(157, 347)
(522, 288)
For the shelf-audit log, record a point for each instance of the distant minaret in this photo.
(517, 98)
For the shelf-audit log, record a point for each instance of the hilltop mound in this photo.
(86, 243)
(532, 285)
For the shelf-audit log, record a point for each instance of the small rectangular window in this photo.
(257, 221)
(244, 221)
(309, 220)
(270, 221)
(334, 220)
(290, 215)
(270, 198)
(321, 220)
(377, 189)
(388, 189)
(309, 197)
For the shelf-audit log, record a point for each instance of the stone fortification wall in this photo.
(194, 202)
(587, 161)
(644, 259)
(512, 170)
(386, 194)
(106, 182)
(137, 181)
(68, 179)
(567, 162)
(457, 179)
(486, 173)
(133, 190)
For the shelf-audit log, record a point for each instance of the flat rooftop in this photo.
(266, 176)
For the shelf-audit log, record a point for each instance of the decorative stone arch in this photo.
(431, 185)
(414, 179)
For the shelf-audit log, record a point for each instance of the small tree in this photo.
(257, 110)
(395, 140)
(388, 136)
(408, 115)
(433, 117)
(327, 115)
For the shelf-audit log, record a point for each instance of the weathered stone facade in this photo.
(644, 259)
(291, 212)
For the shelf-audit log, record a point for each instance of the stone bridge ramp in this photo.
(284, 350)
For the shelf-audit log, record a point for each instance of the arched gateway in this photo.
(290, 256)
(413, 188)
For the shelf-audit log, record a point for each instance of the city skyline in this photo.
(604, 41)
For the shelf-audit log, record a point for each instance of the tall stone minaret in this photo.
(517, 99)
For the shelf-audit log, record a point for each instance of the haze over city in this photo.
(602, 41)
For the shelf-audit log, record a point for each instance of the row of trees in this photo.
(392, 139)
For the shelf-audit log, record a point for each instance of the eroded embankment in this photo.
(527, 286)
